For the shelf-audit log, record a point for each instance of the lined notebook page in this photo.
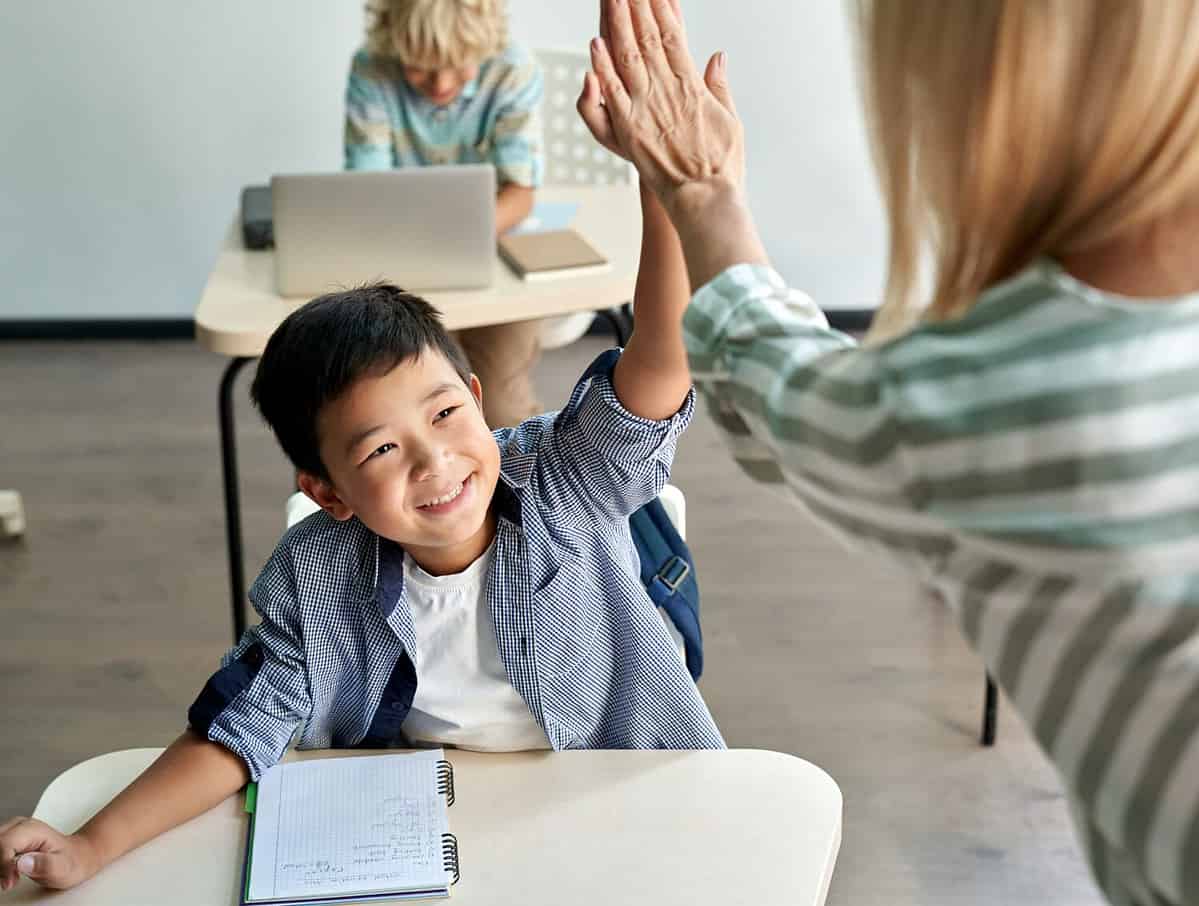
(349, 825)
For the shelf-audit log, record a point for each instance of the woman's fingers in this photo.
(615, 97)
(656, 110)
(715, 77)
(663, 46)
(673, 37)
(624, 50)
(645, 28)
(595, 115)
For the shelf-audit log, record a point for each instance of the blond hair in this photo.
(1004, 130)
(436, 33)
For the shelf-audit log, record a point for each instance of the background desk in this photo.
(577, 828)
(240, 309)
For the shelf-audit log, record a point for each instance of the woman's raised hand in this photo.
(645, 101)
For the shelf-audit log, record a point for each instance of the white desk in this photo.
(240, 309)
(568, 829)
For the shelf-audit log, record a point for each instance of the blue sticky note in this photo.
(548, 215)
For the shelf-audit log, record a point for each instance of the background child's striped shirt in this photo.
(495, 119)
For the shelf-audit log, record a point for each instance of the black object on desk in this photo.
(257, 217)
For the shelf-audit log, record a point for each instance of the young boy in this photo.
(438, 83)
(461, 588)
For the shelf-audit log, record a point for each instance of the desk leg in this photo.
(990, 710)
(616, 321)
(237, 579)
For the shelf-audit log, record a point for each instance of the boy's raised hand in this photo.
(36, 850)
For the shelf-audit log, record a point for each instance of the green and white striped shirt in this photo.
(1037, 462)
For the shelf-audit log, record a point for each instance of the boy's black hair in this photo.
(324, 347)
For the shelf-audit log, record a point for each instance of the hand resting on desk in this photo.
(188, 779)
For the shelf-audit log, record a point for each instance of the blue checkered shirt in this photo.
(335, 658)
(495, 119)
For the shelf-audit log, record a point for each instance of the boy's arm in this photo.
(241, 724)
(652, 378)
(611, 446)
(188, 779)
(512, 205)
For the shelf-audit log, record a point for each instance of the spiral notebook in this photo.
(367, 829)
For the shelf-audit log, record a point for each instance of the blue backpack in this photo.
(668, 574)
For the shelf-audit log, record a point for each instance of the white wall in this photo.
(127, 128)
(810, 181)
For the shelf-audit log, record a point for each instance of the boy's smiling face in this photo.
(409, 454)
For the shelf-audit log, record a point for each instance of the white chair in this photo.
(572, 158)
(12, 515)
(675, 505)
(300, 506)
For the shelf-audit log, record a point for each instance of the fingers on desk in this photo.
(30, 847)
(8, 853)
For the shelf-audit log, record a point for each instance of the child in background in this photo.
(439, 83)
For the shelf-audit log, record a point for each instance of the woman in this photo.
(1023, 435)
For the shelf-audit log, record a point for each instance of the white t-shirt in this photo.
(463, 696)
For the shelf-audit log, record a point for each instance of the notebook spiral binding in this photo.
(449, 856)
(445, 781)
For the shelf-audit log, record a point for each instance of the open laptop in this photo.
(422, 228)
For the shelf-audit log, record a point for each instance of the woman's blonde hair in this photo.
(436, 33)
(1004, 130)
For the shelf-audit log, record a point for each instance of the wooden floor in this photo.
(114, 610)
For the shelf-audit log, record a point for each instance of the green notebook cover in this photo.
(251, 805)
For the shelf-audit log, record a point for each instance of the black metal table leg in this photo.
(237, 579)
(616, 321)
(990, 711)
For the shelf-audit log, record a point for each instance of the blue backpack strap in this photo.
(668, 574)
